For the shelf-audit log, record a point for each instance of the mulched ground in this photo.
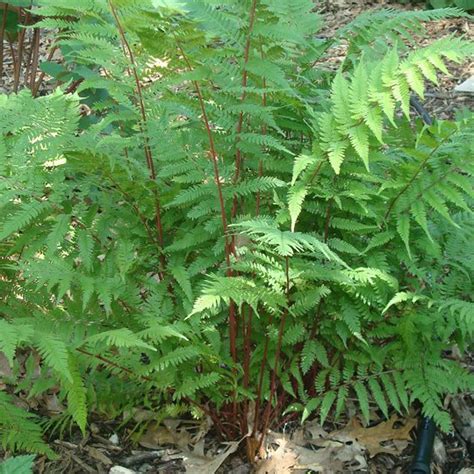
(105, 446)
(441, 102)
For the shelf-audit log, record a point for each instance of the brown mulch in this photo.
(108, 446)
(440, 101)
(45, 54)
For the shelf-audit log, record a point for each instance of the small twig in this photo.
(73, 86)
(35, 88)
(29, 59)
(141, 458)
(280, 404)
(14, 57)
(111, 363)
(441, 95)
(21, 44)
(316, 172)
(2, 37)
(327, 220)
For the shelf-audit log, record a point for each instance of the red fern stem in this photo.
(141, 102)
(238, 154)
(268, 408)
(228, 244)
(260, 163)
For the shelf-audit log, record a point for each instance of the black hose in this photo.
(424, 447)
(427, 430)
(420, 110)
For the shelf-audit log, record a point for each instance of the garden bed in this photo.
(176, 446)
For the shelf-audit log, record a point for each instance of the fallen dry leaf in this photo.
(52, 404)
(375, 438)
(327, 456)
(156, 436)
(5, 369)
(280, 461)
(139, 415)
(177, 432)
(196, 462)
(314, 429)
(339, 451)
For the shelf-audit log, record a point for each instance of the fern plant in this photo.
(18, 464)
(209, 211)
(467, 5)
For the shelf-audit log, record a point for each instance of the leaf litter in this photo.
(344, 450)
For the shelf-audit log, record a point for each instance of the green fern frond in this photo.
(19, 430)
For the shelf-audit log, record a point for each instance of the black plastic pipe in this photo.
(420, 110)
(427, 430)
(424, 447)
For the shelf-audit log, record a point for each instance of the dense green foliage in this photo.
(18, 465)
(229, 221)
(467, 5)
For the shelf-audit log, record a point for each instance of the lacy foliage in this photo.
(234, 221)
